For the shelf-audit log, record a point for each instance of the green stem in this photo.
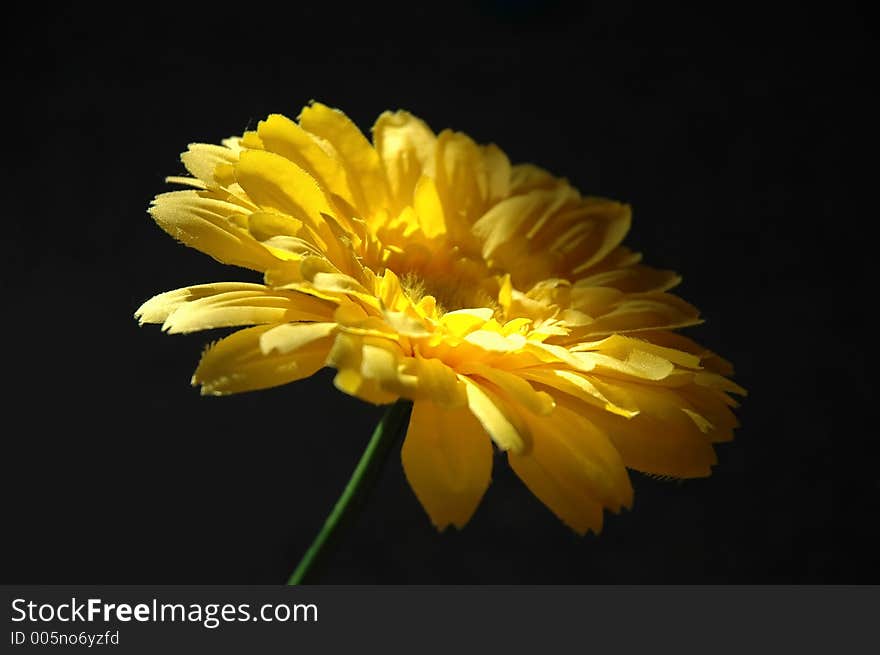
(392, 426)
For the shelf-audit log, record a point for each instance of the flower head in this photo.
(495, 296)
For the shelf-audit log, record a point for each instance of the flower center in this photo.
(454, 276)
(451, 293)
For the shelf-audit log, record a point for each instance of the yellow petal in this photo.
(462, 181)
(639, 364)
(428, 208)
(498, 169)
(242, 307)
(363, 167)
(281, 135)
(289, 337)
(661, 439)
(406, 146)
(616, 219)
(237, 363)
(204, 224)
(624, 347)
(185, 181)
(633, 279)
(643, 312)
(715, 381)
(338, 283)
(447, 458)
(405, 324)
(266, 225)
(528, 177)
(201, 159)
(594, 301)
(573, 507)
(549, 353)
(506, 432)
(461, 322)
(515, 216)
(276, 183)
(159, 307)
(709, 360)
(572, 467)
(514, 386)
(711, 404)
(495, 341)
(379, 362)
(363, 364)
(576, 384)
(436, 382)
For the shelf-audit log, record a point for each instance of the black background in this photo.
(729, 130)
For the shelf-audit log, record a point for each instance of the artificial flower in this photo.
(425, 266)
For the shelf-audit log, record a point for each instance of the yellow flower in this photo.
(495, 296)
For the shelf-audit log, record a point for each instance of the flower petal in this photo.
(426, 202)
(363, 167)
(630, 348)
(515, 216)
(274, 182)
(361, 369)
(406, 146)
(574, 507)
(281, 135)
(498, 170)
(661, 439)
(462, 322)
(290, 337)
(435, 381)
(507, 432)
(709, 360)
(447, 458)
(712, 406)
(160, 306)
(577, 456)
(201, 159)
(614, 220)
(575, 384)
(642, 312)
(514, 386)
(573, 469)
(462, 179)
(204, 224)
(528, 177)
(190, 311)
(237, 363)
(633, 279)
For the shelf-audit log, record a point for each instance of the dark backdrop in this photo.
(726, 129)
